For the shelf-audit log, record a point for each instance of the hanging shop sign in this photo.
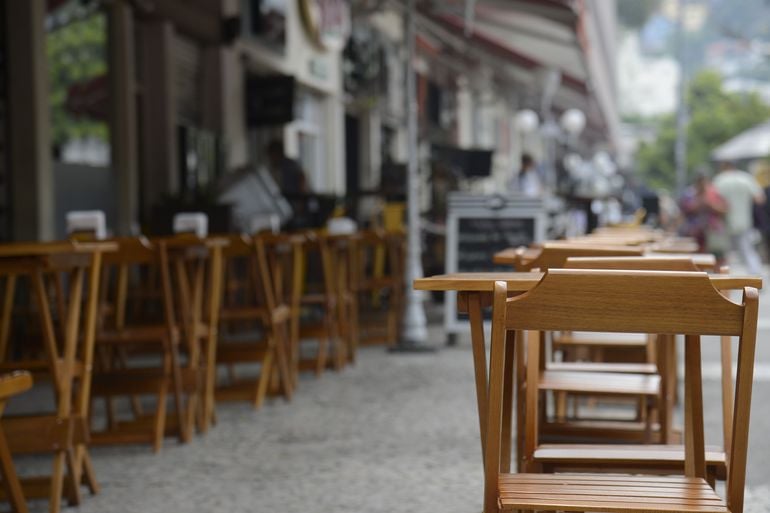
(327, 22)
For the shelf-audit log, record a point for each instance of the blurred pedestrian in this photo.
(528, 182)
(704, 211)
(741, 192)
(286, 171)
(761, 172)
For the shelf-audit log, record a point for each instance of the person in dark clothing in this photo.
(286, 171)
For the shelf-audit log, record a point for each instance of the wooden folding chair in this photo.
(284, 269)
(343, 251)
(552, 255)
(161, 347)
(379, 282)
(63, 280)
(647, 458)
(318, 306)
(611, 347)
(255, 327)
(667, 303)
(11, 385)
(634, 348)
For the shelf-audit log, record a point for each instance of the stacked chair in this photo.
(47, 326)
(255, 324)
(622, 301)
(158, 338)
(379, 284)
(590, 295)
(569, 378)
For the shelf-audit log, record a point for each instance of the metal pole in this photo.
(680, 148)
(415, 331)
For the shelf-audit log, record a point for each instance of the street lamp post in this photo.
(415, 332)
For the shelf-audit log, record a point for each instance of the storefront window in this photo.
(311, 139)
(76, 43)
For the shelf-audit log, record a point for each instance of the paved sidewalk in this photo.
(394, 433)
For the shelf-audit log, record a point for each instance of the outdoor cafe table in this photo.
(474, 293)
(68, 355)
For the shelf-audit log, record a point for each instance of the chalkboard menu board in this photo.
(479, 238)
(480, 226)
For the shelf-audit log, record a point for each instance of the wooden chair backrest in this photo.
(135, 259)
(241, 284)
(342, 252)
(370, 255)
(186, 274)
(555, 255)
(280, 261)
(608, 240)
(172, 270)
(317, 259)
(660, 302)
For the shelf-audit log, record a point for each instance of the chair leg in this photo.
(57, 482)
(265, 375)
(73, 479)
(189, 415)
(160, 419)
(13, 490)
(89, 476)
(282, 365)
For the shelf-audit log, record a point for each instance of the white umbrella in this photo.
(754, 143)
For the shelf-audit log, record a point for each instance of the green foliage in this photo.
(634, 13)
(714, 117)
(76, 54)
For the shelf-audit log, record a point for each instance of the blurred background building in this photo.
(145, 107)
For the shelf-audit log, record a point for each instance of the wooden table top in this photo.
(33, 249)
(521, 282)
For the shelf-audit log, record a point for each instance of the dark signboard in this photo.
(269, 100)
(480, 238)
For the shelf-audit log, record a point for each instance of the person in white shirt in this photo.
(741, 191)
(529, 183)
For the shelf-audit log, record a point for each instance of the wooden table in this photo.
(474, 293)
(65, 432)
